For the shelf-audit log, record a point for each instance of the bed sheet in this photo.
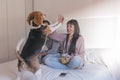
(8, 71)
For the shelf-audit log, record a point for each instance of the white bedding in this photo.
(8, 71)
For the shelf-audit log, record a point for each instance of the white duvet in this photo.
(8, 71)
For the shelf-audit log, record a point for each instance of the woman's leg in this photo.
(52, 51)
(53, 61)
(75, 62)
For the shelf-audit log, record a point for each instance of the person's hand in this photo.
(60, 19)
(68, 58)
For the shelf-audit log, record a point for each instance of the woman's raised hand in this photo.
(60, 19)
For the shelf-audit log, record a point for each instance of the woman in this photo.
(73, 46)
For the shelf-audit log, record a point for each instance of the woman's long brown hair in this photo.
(76, 35)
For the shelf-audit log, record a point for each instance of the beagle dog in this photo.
(35, 43)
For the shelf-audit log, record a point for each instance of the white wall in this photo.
(3, 31)
(96, 18)
(12, 26)
(117, 41)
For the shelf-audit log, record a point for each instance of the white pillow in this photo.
(20, 44)
(95, 55)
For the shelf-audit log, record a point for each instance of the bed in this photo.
(94, 69)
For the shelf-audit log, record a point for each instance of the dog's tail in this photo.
(18, 49)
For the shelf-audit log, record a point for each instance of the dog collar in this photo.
(32, 27)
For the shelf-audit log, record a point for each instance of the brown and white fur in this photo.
(33, 47)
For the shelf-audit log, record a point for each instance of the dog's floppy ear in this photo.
(37, 17)
(29, 18)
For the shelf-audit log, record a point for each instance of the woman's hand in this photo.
(60, 19)
(65, 58)
(68, 58)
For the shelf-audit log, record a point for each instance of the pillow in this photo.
(20, 44)
(95, 55)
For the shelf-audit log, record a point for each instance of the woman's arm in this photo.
(80, 50)
(57, 24)
(54, 35)
(58, 36)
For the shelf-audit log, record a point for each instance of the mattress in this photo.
(8, 71)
